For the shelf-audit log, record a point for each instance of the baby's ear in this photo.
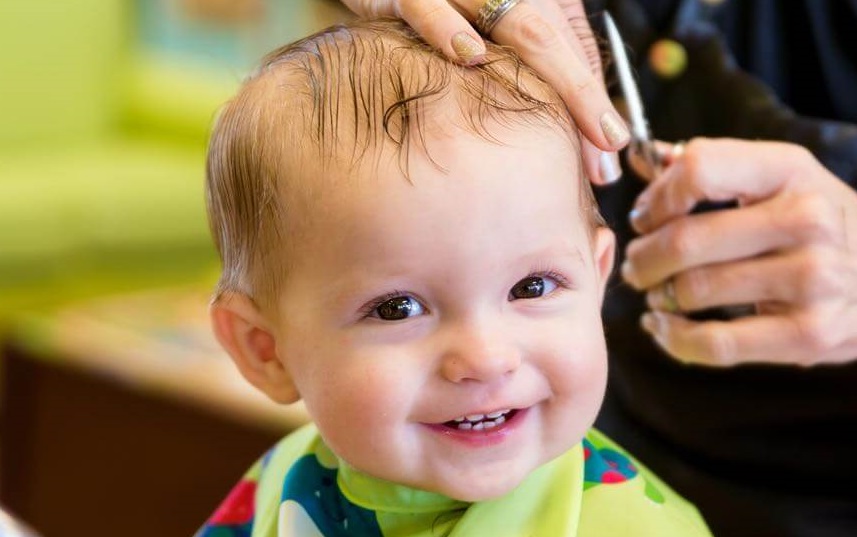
(251, 342)
(604, 247)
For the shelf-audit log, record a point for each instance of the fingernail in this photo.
(648, 322)
(610, 169)
(655, 299)
(467, 48)
(614, 129)
(638, 216)
(626, 271)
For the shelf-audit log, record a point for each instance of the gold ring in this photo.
(677, 151)
(670, 301)
(491, 12)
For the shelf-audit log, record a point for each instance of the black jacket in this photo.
(761, 450)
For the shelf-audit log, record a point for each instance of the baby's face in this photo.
(445, 333)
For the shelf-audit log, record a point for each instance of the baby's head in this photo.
(411, 248)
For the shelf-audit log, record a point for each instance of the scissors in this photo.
(641, 135)
(644, 144)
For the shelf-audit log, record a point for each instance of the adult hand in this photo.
(551, 36)
(790, 247)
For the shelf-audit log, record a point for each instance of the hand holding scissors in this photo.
(789, 246)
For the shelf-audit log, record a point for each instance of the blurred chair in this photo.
(89, 200)
(105, 107)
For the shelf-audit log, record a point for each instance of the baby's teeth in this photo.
(478, 422)
(477, 425)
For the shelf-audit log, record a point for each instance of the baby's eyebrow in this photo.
(570, 251)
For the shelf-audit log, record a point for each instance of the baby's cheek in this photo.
(578, 387)
(366, 424)
(589, 373)
(360, 401)
(576, 340)
(578, 370)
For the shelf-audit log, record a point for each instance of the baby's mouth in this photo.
(480, 422)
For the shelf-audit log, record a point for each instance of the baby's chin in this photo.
(490, 483)
(479, 488)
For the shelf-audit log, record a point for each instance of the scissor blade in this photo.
(639, 125)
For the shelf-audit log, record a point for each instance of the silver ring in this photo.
(491, 12)
(670, 301)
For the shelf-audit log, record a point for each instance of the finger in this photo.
(443, 27)
(777, 339)
(373, 8)
(601, 167)
(543, 47)
(722, 170)
(703, 239)
(791, 221)
(798, 277)
(569, 16)
(591, 159)
(783, 222)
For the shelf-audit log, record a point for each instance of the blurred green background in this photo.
(105, 109)
(119, 415)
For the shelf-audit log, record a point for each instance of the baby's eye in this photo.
(533, 287)
(398, 308)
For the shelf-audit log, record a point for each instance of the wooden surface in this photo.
(115, 423)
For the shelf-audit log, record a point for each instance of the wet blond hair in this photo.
(332, 100)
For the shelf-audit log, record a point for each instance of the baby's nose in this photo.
(479, 354)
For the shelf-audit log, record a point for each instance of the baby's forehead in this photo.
(446, 166)
(355, 97)
(469, 172)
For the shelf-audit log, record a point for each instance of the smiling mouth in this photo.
(481, 422)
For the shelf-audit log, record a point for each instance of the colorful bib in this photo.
(300, 489)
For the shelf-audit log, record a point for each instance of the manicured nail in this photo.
(610, 169)
(656, 299)
(467, 48)
(648, 322)
(626, 269)
(614, 129)
(638, 216)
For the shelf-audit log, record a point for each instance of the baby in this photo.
(411, 248)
